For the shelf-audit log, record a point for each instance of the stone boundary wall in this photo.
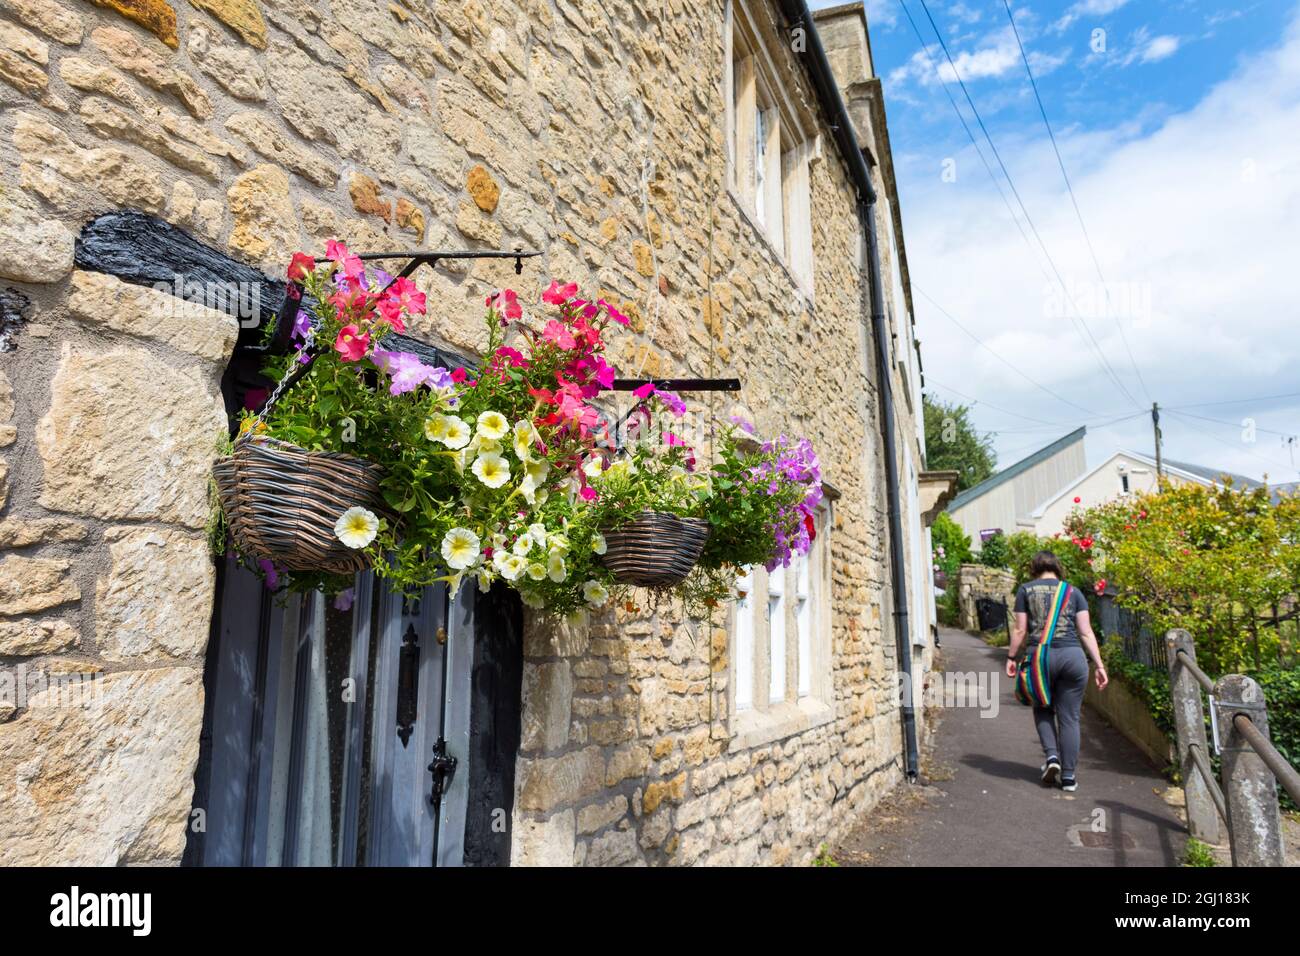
(976, 581)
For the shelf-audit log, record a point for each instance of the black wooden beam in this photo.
(679, 384)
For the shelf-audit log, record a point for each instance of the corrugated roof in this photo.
(1020, 467)
(1290, 487)
(1215, 474)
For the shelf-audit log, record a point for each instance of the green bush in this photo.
(994, 552)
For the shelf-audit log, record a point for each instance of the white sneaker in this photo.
(1051, 772)
(1069, 784)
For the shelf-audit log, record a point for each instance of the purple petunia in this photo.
(408, 372)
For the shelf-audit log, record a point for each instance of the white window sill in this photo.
(754, 728)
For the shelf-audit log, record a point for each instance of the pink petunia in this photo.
(349, 264)
(391, 310)
(408, 295)
(557, 294)
(559, 335)
(351, 343)
(614, 314)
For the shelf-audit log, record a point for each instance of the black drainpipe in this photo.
(798, 16)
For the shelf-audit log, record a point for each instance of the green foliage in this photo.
(948, 608)
(1197, 853)
(1211, 560)
(951, 545)
(952, 443)
(993, 554)
(1023, 545)
(824, 857)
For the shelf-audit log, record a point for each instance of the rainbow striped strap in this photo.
(1049, 630)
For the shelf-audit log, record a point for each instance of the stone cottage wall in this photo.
(591, 131)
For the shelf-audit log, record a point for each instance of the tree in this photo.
(1215, 561)
(951, 545)
(952, 443)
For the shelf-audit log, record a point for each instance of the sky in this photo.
(1170, 273)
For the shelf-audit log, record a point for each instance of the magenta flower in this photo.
(558, 294)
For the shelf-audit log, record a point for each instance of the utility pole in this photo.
(1155, 425)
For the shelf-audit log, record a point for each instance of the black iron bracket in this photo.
(679, 384)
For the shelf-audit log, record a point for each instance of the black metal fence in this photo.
(1139, 643)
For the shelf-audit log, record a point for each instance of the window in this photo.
(768, 152)
(1123, 482)
(744, 658)
(780, 660)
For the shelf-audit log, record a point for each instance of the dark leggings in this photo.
(1058, 725)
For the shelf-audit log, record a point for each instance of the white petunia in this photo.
(525, 436)
(356, 527)
(457, 432)
(559, 543)
(534, 601)
(484, 580)
(598, 543)
(435, 427)
(594, 593)
(536, 570)
(512, 566)
(460, 548)
(491, 469)
(594, 467)
(493, 426)
(523, 544)
(538, 531)
(555, 568)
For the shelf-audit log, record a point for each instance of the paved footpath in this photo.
(984, 805)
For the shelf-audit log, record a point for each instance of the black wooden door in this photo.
(322, 721)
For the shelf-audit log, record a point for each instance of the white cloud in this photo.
(996, 56)
(1195, 216)
(1087, 8)
(1159, 48)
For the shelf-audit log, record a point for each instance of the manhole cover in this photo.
(1106, 841)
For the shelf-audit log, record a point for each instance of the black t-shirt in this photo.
(1036, 597)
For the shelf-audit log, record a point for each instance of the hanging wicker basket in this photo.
(281, 503)
(654, 550)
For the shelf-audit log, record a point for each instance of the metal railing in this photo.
(1245, 797)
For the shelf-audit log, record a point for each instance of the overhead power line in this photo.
(1236, 447)
(1039, 385)
(1080, 323)
(1074, 201)
(934, 68)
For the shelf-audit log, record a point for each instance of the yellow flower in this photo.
(460, 548)
(536, 571)
(493, 426)
(491, 469)
(356, 527)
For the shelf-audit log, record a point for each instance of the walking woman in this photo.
(1041, 602)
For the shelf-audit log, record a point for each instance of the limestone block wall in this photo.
(590, 131)
(975, 581)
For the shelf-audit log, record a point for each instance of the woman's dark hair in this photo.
(1046, 561)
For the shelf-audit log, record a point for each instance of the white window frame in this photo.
(780, 639)
(776, 198)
